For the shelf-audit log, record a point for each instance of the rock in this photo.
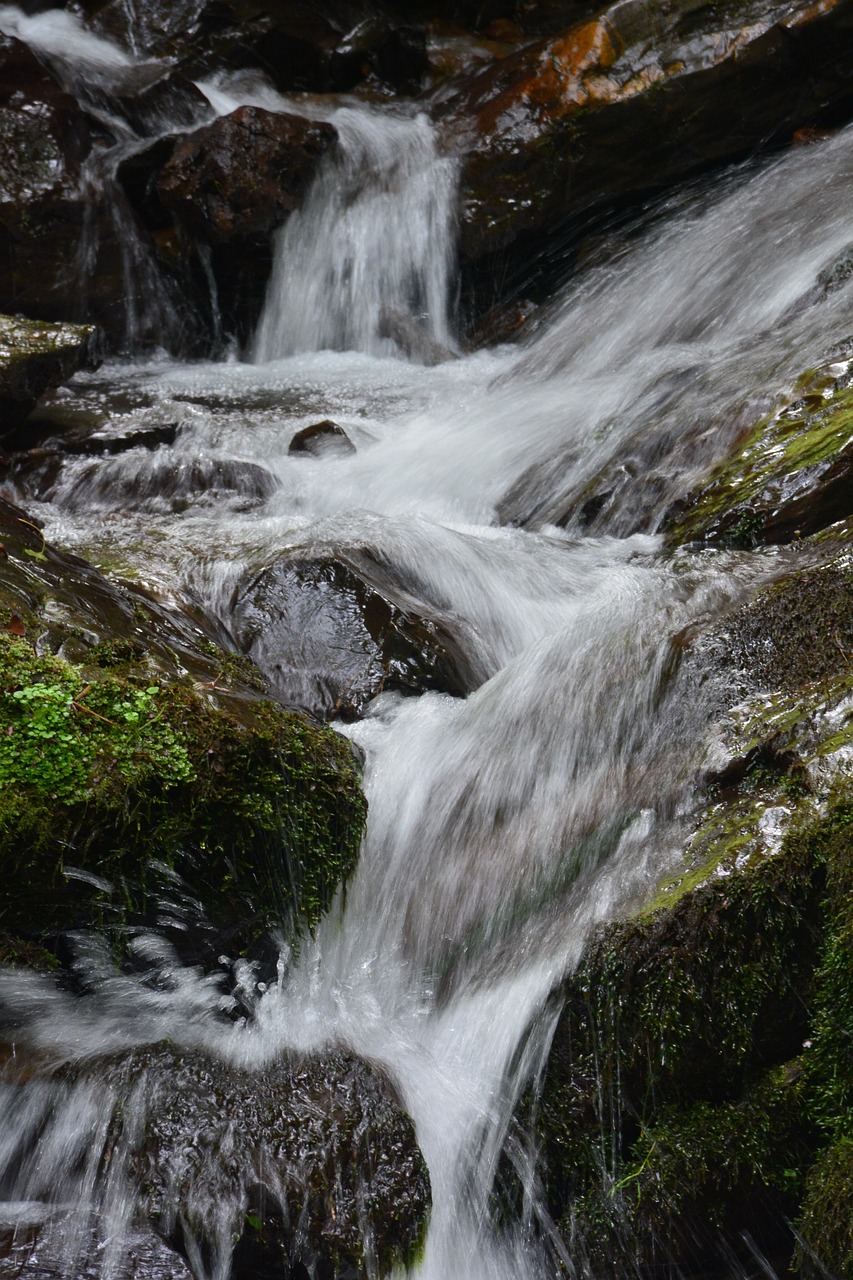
(320, 439)
(135, 753)
(44, 141)
(329, 641)
(311, 1161)
(787, 475)
(34, 358)
(699, 1078)
(150, 99)
(504, 323)
(166, 481)
(681, 89)
(239, 177)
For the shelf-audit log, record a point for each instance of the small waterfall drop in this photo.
(367, 263)
(504, 826)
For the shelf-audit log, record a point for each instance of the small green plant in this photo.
(68, 741)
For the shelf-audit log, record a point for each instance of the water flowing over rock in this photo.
(580, 606)
(307, 1165)
(374, 241)
(620, 106)
(329, 641)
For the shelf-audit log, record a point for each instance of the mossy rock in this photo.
(36, 357)
(702, 1067)
(827, 1221)
(788, 475)
(144, 775)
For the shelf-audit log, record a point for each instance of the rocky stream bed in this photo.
(426, 640)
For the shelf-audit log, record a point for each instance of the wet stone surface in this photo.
(328, 641)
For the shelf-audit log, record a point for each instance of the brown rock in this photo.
(321, 437)
(632, 101)
(239, 177)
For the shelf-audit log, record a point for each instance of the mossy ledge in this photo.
(697, 1098)
(137, 760)
(695, 1114)
(788, 475)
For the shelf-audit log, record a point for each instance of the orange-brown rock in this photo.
(623, 104)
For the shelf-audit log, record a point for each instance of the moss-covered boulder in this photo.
(140, 765)
(786, 476)
(696, 1104)
(34, 358)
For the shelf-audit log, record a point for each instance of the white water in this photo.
(504, 826)
(370, 253)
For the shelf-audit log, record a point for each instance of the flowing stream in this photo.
(504, 825)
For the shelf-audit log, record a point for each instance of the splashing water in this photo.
(502, 827)
(367, 263)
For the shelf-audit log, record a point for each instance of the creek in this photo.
(502, 826)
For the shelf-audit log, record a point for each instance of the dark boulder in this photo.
(312, 1162)
(240, 177)
(34, 358)
(44, 141)
(631, 101)
(321, 438)
(328, 640)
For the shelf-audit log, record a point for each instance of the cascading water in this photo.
(502, 827)
(368, 260)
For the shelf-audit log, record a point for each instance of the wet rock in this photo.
(34, 358)
(170, 482)
(321, 438)
(680, 87)
(44, 140)
(240, 176)
(329, 641)
(150, 99)
(787, 475)
(144, 776)
(699, 1075)
(394, 51)
(304, 1163)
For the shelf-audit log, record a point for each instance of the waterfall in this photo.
(504, 826)
(367, 263)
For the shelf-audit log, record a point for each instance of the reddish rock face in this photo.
(239, 177)
(634, 99)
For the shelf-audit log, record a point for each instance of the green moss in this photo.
(704, 1051)
(745, 490)
(109, 774)
(827, 1220)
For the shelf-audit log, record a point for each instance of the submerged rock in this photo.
(321, 438)
(144, 775)
(329, 641)
(34, 358)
